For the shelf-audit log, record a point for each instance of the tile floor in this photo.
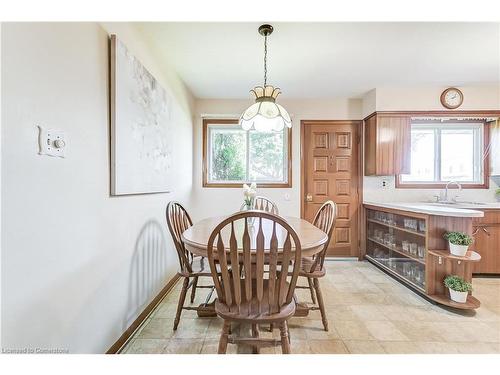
(368, 312)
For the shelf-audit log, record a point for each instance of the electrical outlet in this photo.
(51, 142)
(385, 183)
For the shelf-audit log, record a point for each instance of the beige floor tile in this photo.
(299, 346)
(192, 328)
(400, 347)
(315, 330)
(211, 346)
(480, 332)
(397, 313)
(385, 331)
(452, 333)
(479, 348)
(364, 347)
(340, 312)
(148, 346)
(368, 312)
(419, 331)
(157, 329)
(327, 347)
(437, 348)
(184, 346)
(353, 330)
(485, 314)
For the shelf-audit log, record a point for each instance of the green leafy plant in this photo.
(497, 191)
(457, 284)
(458, 238)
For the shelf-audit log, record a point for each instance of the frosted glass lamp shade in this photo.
(265, 116)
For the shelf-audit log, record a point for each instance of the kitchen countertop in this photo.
(472, 206)
(433, 209)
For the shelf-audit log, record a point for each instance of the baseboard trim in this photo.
(142, 316)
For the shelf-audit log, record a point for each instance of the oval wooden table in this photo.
(196, 238)
(311, 238)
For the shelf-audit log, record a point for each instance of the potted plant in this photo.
(459, 242)
(458, 287)
(497, 194)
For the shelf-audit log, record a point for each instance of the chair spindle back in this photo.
(178, 220)
(265, 204)
(325, 220)
(238, 271)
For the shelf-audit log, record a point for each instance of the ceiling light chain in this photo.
(265, 60)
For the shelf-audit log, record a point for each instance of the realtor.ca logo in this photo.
(34, 351)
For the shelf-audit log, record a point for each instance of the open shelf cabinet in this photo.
(410, 247)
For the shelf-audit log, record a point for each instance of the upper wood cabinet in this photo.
(495, 148)
(387, 144)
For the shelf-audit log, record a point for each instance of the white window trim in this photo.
(211, 127)
(477, 127)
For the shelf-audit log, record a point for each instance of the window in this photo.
(446, 151)
(233, 156)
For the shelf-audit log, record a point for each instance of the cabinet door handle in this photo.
(475, 231)
(485, 231)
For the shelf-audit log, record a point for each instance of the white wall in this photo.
(485, 97)
(217, 201)
(78, 266)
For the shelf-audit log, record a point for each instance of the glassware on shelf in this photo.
(421, 226)
(405, 245)
(414, 249)
(410, 224)
(406, 269)
(421, 251)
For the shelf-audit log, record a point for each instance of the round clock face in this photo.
(452, 98)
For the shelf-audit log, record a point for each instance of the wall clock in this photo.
(452, 98)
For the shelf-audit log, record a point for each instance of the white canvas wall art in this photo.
(141, 126)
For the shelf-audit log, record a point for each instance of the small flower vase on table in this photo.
(249, 192)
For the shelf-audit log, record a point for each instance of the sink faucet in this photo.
(446, 191)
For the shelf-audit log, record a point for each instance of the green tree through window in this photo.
(239, 156)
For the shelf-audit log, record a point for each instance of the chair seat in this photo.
(255, 316)
(305, 268)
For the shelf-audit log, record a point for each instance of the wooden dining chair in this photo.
(191, 267)
(265, 204)
(246, 293)
(312, 268)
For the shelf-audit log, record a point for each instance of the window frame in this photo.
(205, 159)
(400, 184)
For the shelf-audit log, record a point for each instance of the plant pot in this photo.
(460, 297)
(459, 250)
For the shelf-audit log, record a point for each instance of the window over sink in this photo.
(443, 151)
(233, 156)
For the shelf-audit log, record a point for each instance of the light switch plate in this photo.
(52, 142)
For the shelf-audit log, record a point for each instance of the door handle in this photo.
(309, 198)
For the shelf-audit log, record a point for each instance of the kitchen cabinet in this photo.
(410, 247)
(486, 233)
(387, 144)
(495, 148)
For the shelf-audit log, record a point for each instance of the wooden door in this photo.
(330, 170)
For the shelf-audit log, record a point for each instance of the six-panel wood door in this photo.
(330, 171)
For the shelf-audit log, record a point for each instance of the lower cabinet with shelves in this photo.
(410, 247)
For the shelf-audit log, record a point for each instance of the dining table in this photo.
(196, 237)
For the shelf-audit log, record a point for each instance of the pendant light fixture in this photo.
(265, 114)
